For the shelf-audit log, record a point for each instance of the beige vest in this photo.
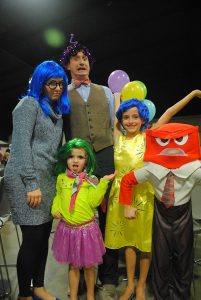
(91, 120)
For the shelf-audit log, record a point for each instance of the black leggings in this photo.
(32, 257)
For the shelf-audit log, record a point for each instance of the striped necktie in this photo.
(168, 193)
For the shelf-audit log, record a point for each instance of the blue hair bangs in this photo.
(142, 110)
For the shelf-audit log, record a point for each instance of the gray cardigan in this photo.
(35, 141)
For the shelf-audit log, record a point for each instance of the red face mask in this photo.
(172, 145)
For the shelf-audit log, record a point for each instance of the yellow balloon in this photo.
(134, 89)
(143, 86)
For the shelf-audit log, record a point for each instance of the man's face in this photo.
(79, 66)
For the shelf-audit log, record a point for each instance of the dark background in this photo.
(156, 42)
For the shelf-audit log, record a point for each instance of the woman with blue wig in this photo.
(130, 226)
(29, 174)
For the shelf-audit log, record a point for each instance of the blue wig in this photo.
(142, 110)
(42, 73)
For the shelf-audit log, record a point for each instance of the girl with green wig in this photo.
(78, 241)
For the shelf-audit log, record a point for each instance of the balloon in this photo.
(142, 85)
(134, 89)
(151, 108)
(117, 80)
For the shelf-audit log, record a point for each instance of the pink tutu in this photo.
(80, 245)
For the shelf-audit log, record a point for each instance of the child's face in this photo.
(131, 121)
(76, 162)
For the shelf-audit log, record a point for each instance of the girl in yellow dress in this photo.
(132, 227)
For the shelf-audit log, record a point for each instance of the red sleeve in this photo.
(126, 188)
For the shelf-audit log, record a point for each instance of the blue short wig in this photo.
(42, 73)
(142, 110)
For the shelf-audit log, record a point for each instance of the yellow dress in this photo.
(121, 232)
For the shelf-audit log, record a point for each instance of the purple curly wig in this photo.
(72, 49)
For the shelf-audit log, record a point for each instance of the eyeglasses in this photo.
(53, 84)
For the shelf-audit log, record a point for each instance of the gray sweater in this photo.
(35, 141)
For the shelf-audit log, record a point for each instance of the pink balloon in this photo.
(117, 80)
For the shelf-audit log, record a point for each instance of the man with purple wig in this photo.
(91, 119)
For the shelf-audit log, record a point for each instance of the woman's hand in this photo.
(130, 212)
(34, 198)
(57, 215)
(111, 176)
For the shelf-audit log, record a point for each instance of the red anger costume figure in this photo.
(173, 167)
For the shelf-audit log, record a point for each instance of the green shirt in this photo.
(88, 198)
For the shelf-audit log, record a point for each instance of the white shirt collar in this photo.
(183, 172)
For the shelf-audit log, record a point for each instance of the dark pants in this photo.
(108, 271)
(32, 257)
(172, 263)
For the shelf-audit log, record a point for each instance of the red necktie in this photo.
(77, 82)
(168, 193)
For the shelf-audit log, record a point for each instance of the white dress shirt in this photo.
(186, 177)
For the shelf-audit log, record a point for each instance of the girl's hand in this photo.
(117, 96)
(130, 212)
(57, 215)
(197, 93)
(34, 198)
(111, 176)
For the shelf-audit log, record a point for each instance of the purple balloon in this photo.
(117, 80)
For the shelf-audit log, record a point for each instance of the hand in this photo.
(34, 198)
(93, 179)
(117, 95)
(197, 93)
(57, 215)
(130, 212)
(111, 176)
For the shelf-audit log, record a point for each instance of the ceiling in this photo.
(157, 43)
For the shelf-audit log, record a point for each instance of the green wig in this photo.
(65, 152)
